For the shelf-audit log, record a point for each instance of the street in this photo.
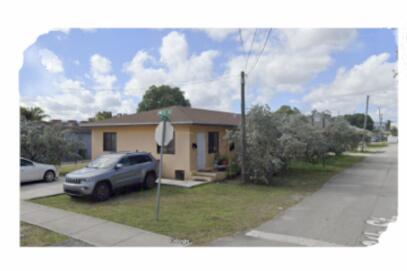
(351, 209)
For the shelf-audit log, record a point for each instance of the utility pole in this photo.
(365, 123)
(243, 127)
(380, 125)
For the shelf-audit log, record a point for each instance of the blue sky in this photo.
(74, 73)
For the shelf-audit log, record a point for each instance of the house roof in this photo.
(179, 115)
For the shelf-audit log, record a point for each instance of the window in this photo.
(170, 148)
(24, 163)
(125, 161)
(139, 159)
(109, 142)
(144, 158)
(213, 142)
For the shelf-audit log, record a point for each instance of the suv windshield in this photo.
(105, 161)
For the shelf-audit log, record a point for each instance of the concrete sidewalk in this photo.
(94, 231)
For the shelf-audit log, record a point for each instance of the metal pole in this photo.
(243, 127)
(380, 125)
(157, 209)
(365, 123)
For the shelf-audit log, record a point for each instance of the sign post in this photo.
(163, 136)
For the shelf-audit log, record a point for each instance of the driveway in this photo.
(352, 209)
(41, 189)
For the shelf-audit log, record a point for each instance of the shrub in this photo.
(46, 143)
(275, 139)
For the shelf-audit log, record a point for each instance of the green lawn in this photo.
(207, 212)
(66, 168)
(33, 236)
(377, 145)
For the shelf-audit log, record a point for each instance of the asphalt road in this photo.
(351, 209)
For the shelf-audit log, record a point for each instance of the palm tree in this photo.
(32, 114)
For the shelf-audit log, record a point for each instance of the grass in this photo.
(211, 211)
(66, 168)
(377, 145)
(33, 236)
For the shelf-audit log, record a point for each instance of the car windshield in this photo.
(105, 161)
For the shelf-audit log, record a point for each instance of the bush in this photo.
(341, 136)
(46, 143)
(275, 139)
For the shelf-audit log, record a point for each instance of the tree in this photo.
(358, 120)
(285, 109)
(162, 96)
(273, 140)
(394, 131)
(341, 137)
(388, 125)
(46, 143)
(32, 113)
(101, 115)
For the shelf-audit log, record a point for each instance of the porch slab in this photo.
(184, 184)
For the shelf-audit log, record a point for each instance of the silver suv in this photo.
(108, 172)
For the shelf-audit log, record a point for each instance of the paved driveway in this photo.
(351, 209)
(41, 189)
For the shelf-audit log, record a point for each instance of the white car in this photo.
(32, 171)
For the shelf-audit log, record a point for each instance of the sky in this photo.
(74, 73)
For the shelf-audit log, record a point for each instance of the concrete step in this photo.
(202, 178)
(204, 173)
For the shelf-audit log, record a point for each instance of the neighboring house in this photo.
(76, 132)
(198, 138)
(83, 135)
(319, 119)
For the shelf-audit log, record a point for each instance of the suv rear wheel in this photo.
(149, 181)
(102, 192)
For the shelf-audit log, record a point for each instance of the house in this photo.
(74, 131)
(320, 120)
(198, 138)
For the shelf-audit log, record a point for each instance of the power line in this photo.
(262, 50)
(251, 47)
(241, 38)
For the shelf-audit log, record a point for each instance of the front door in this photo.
(201, 151)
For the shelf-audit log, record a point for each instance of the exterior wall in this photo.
(223, 144)
(141, 138)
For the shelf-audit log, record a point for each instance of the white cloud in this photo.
(72, 100)
(63, 30)
(317, 39)
(174, 49)
(50, 61)
(101, 68)
(348, 90)
(176, 67)
(219, 34)
(66, 98)
(291, 58)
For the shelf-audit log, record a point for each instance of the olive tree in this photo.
(273, 139)
(262, 142)
(301, 140)
(46, 143)
(341, 136)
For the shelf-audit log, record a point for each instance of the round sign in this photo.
(169, 133)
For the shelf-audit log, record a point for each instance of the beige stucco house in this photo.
(198, 137)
